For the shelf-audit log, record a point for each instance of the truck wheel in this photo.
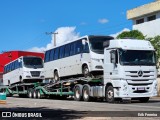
(56, 76)
(77, 93)
(86, 93)
(144, 99)
(110, 94)
(85, 71)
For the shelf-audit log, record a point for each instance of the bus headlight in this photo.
(27, 72)
(95, 59)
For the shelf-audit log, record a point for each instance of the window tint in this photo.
(16, 64)
(139, 21)
(150, 18)
(47, 55)
(73, 48)
(67, 50)
(56, 55)
(61, 55)
(51, 55)
(78, 46)
(85, 48)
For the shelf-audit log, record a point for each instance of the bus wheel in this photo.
(77, 93)
(86, 93)
(85, 71)
(144, 99)
(110, 94)
(56, 76)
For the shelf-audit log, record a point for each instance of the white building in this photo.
(146, 18)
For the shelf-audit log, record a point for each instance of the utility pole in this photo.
(54, 33)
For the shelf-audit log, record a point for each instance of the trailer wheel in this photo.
(144, 99)
(86, 93)
(38, 94)
(30, 93)
(34, 94)
(77, 93)
(56, 76)
(110, 94)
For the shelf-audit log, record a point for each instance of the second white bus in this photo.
(25, 69)
(83, 56)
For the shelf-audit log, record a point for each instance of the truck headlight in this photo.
(125, 87)
(155, 86)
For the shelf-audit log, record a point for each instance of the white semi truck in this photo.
(129, 73)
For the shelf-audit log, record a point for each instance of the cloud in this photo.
(37, 49)
(116, 34)
(65, 34)
(103, 20)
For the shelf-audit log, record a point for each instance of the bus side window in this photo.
(72, 48)
(56, 55)
(61, 55)
(20, 64)
(78, 46)
(51, 58)
(47, 54)
(67, 49)
(85, 48)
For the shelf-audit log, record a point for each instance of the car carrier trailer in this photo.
(129, 73)
(63, 89)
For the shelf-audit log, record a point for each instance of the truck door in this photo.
(110, 63)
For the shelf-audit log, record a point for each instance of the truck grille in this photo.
(134, 74)
(35, 73)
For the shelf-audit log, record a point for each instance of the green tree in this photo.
(156, 44)
(131, 34)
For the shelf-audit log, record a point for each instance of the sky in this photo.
(24, 23)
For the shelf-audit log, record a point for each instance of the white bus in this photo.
(25, 69)
(83, 56)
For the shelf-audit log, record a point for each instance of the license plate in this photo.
(140, 88)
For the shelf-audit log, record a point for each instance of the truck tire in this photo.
(144, 99)
(78, 93)
(86, 93)
(56, 76)
(110, 94)
(34, 94)
(86, 72)
(38, 94)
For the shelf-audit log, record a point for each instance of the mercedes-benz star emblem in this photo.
(140, 73)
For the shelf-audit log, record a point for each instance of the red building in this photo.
(9, 56)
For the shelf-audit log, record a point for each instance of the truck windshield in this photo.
(137, 57)
(33, 62)
(96, 44)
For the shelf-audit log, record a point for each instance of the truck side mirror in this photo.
(113, 56)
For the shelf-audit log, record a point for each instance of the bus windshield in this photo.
(33, 62)
(137, 57)
(96, 44)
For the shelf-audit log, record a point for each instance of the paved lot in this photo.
(67, 109)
